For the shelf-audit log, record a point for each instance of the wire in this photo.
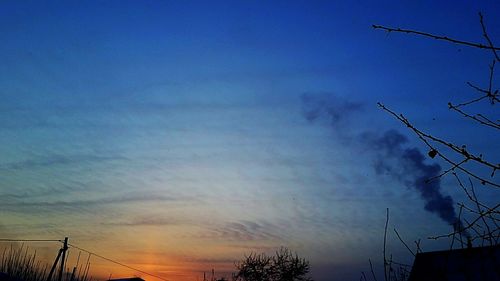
(81, 249)
(29, 240)
(119, 263)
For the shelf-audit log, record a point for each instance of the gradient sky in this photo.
(177, 136)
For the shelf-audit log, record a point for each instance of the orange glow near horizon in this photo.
(180, 271)
(165, 266)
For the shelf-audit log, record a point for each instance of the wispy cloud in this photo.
(58, 159)
(146, 221)
(87, 204)
(244, 230)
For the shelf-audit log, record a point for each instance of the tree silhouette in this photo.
(478, 221)
(282, 266)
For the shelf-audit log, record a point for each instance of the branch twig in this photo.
(437, 37)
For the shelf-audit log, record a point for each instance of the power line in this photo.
(29, 240)
(119, 263)
(81, 249)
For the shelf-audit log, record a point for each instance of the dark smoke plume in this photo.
(336, 109)
(412, 171)
(391, 157)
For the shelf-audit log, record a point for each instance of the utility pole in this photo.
(49, 278)
(62, 252)
(64, 249)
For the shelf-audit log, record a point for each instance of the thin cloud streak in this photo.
(243, 230)
(147, 221)
(82, 204)
(58, 160)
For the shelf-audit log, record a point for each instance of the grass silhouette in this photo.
(21, 264)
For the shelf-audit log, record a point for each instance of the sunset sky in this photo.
(178, 136)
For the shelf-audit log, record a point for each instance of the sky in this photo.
(179, 136)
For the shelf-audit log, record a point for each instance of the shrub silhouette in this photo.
(282, 266)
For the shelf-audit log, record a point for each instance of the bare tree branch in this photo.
(485, 34)
(483, 121)
(371, 269)
(385, 241)
(400, 239)
(462, 151)
(437, 37)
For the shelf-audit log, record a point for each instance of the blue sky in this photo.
(177, 132)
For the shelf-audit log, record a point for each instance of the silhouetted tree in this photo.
(283, 266)
(478, 220)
